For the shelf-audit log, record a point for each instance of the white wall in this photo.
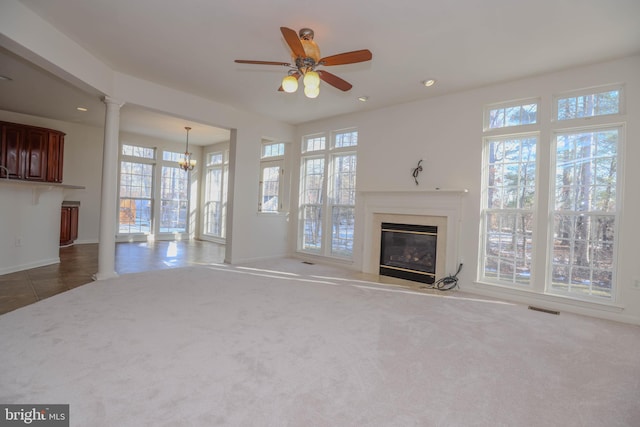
(446, 132)
(30, 226)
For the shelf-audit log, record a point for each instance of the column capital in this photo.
(112, 101)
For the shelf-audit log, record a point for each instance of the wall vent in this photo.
(544, 310)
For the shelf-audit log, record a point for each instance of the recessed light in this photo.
(82, 109)
(429, 82)
(363, 98)
(7, 78)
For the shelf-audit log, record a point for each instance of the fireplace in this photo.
(409, 251)
(441, 209)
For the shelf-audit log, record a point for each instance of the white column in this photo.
(108, 203)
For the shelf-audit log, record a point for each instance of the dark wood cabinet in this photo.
(34, 151)
(31, 153)
(11, 149)
(55, 157)
(68, 225)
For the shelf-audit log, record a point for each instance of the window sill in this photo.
(273, 214)
(529, 296)
(323, 259)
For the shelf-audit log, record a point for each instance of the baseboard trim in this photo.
(29, 265)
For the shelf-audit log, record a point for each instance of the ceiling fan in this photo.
(306, 58)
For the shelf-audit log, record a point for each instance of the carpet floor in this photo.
(308, 346)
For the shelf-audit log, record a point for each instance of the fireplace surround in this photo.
(434, 208)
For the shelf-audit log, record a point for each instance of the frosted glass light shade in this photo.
(289, 84)
(311, 79)
(312, 92)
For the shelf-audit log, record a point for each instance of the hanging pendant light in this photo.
(311, 79)
(312, 92)
(187, 163)
(290, 84)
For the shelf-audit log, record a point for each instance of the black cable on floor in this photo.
(446, 283)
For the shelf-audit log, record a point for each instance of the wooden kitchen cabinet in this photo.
(11, 149)
(68, 224)
(31, 153)
(55, 157)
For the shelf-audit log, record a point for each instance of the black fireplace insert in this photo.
(409, 252)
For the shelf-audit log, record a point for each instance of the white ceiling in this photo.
(191, 45)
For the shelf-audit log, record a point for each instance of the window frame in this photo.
(553, 162)
(223, 168)
(329, 153)
(157, 162)
(268, 161)
(170, 164)
(514, 211)
(606, 118)
(143, 160)
(544, 227)
(486, 114)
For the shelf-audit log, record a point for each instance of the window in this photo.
(581, 220)
(311, 207)
(509, 197)
(215, 198)
(335, 196)
(153, 193)
(584, 214)
(174, 200)
(136, 190)
(271, 177)
(342, 202)
(135, 151)
(507, 115)
(603, 101)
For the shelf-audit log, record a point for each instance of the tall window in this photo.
(581, 222)
(174, 195)
(584, 214)
(136, 190)
(328, 204)
(153, 192)
(271, 173)
(215, 198)
(510, 177)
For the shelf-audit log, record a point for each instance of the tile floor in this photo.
(78, 263)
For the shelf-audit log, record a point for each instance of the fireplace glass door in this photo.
(409, 252)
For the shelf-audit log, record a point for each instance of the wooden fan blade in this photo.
(296, 75)
(246, 61)
(292, 39)
(334, 80)
(347, 57)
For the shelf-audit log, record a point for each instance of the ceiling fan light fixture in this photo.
(312, 92)
(311, 79)
(289, 84)
(305, 58)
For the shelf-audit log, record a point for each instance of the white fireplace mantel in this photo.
(425, 191)
(423, 206)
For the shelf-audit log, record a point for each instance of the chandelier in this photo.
(187, 163)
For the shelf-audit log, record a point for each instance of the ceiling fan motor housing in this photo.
(310, 47)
